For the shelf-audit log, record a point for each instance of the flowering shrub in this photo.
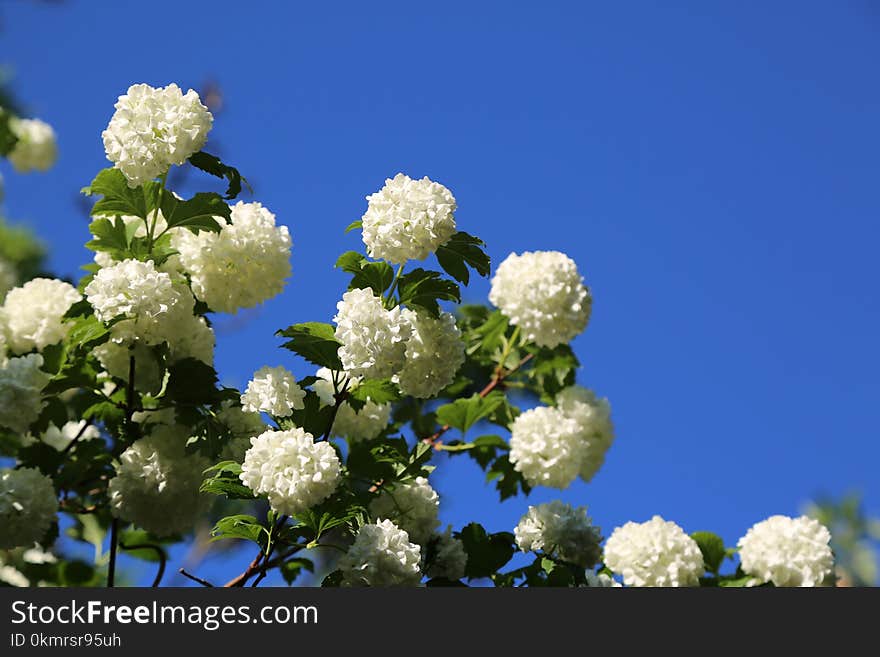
(111, 408)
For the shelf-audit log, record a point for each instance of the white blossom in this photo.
(354, 425)
(191, 337)
(413, 506)
(561, 530)
(115, 358)
(373, 338)
(542, 293)
(408, 219)
(35, 148)
(600, 580)
(448, 559)
(294, 471)
(788, 551)
(21, 386)
(545, 447)
(381, 556)
(434, 352)
(156, 486)
(60, 438)
(153, 129)
(243, 265)
(33, 313)
(596, 429)
(273, 390)
(654, 553)
(28, 506)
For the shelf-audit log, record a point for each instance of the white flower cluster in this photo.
(243, 265)
(412, 506)
(542, 293)
(449, 559)
(373, 338)
(654, 553)
(294, 471)
(434, 352)
(156, 310)
(273, 390)
(60, 438)
(560, 530)
(35, 148)
(27, 506)
(363, 424)
(153, 129)
(157, 483)
(21, 386)
(408, 219)
(601, 581)
(788, 552)
(552, 446)
(595, 428)
(33, 314)
(381, 556)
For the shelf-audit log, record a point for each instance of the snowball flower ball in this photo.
(373, 338)
(273, 390)
(413, 506)
(788, 551)
(157, 483)
(434, 352)
(446, 557)
(28, 506)
(153, 129)
(408, 219)
(33, 313)
(353, 425)
(595, 429)
(654, 553)
(542, 293)
(35, 147)
(545, 447)
(381, 556)
(131, 289)
(243, 265)
(21, 386)
(294, 471)
(560, 530)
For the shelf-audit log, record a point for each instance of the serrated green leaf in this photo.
(424, 288)
(190, 381)
(462, 414)
(315, 342)
(111, 236)
(379, 391)
(213, 165)
(240, 526)
(293, 568)
(120, 199)
(486, 553)
(86, 332)
(712, 547)
(354, 225)
(367, 274)
(463, 251)
(198, 213)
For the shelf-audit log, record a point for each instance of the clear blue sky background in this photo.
(712, 170)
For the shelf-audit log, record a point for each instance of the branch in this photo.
(163, 558)
(201, 581)
(497, 379)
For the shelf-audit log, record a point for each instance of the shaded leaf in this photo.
(315, 342)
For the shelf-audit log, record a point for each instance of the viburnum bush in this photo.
(111, 408)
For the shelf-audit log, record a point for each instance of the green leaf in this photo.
(376, 276)
(354, 225)
(712, 547)
(292, 569)
(87, 332)
(424, 288)
(120, 199)
(213, 165)
(350, 262)
(7, 137)
(486, 553)
(379, 391)
(483, 450)
(190, 381)
(462, 414)
(112, 236)
(313, 417)
(507, 480)
(463, 251)
(198, 213)
(315, 342)
(240, 526)
(225, 482)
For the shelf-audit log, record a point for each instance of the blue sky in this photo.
(712, 170)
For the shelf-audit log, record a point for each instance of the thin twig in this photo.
(201, 581)
(79, 434)
(111, 567)
(163, 558)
